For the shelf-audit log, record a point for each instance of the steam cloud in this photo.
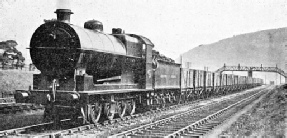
(63, 4)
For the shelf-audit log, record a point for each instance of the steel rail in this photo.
(211, 117)
(56, 133)
(169, 120)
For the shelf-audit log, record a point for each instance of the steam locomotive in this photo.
(87, 73)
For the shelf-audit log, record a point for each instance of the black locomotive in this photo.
(85, 72)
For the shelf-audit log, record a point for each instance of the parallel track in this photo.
(8, 105)
(40, 130)
(12, 108)
(194, 123)
(7, 100)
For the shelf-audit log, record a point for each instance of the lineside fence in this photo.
(11, 68)
(25, 67)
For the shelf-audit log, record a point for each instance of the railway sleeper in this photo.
(153, 133)
(161, 130)
(166, 128)
(192, 135)
(212, 123)
(201, 129)
(146, 136)
(206, 127)
(196, 132)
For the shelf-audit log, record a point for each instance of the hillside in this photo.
(265, 47)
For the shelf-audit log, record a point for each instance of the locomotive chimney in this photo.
(63, 15)
(63, 10)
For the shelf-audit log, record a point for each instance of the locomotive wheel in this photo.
(122, 107)
(95, 112)
(110, 110)
(131, 107)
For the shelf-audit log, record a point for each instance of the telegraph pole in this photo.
(276, 78)
(276, 75)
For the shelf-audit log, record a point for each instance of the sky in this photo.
(174, 26)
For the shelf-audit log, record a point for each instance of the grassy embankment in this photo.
(11, 80)
(266, 119)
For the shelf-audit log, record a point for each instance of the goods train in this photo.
(88, 73)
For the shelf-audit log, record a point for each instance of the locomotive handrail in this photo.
(246, 68)
(52, 48)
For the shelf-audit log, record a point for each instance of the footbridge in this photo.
(251, 69)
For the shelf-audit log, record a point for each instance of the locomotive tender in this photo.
(85, 72)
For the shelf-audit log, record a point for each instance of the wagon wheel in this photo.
(110, 110)
(172, 98)
(156, 100)
(122, 107)
(131, 107)
(169, 99)
(180, 98)
(95, 112)
(163, 102)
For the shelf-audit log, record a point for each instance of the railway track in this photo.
(7, 100)
(194, 123)
(53, 132)
(12, 108)
(8, 105)
(47, 129)
(15, 115)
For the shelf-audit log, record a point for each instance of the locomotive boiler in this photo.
(86, 72)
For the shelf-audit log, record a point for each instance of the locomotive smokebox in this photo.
(63, 15)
